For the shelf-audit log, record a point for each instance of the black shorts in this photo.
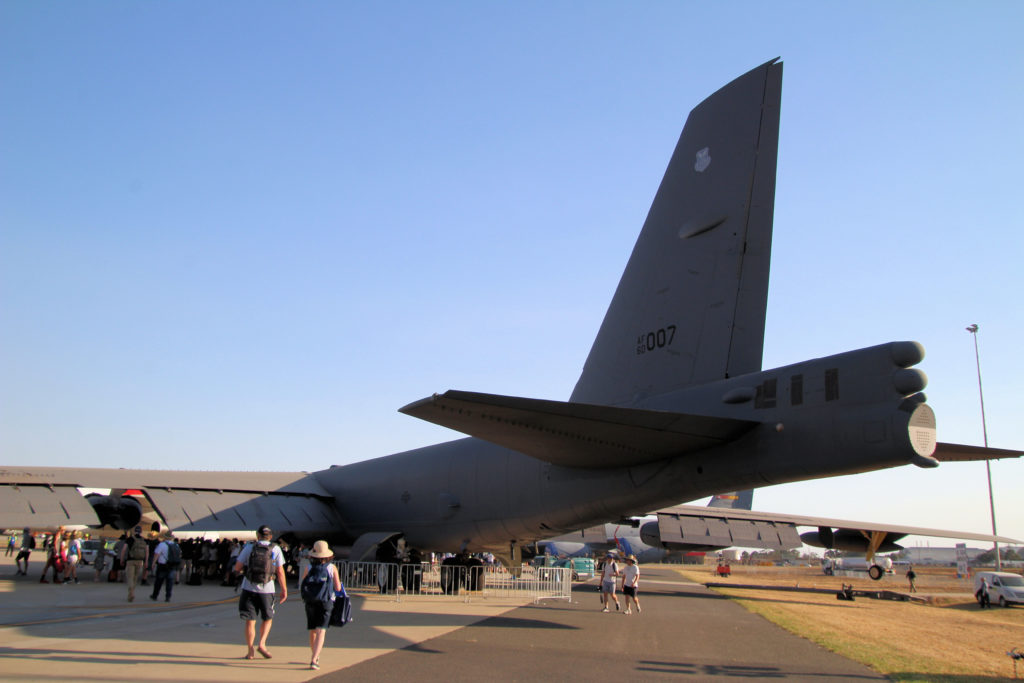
(251, 605)
(317, 615)
(629, 590)
(23, 555)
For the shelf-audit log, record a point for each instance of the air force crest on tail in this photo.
(703, 160)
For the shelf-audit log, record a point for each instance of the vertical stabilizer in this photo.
(690, 307)
(736, 500)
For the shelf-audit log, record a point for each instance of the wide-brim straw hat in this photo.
(321, 550)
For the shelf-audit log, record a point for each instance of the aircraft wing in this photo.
(696, 524)
(954, 452)
(576, 434)
(189, 502)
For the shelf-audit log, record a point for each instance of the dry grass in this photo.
(950, 640)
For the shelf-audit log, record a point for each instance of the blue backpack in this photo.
(318, 586)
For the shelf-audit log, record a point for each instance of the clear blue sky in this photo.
(241, 235)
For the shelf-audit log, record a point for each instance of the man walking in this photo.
(262, 562)
(630, 583)
(166, 559)
(134, 554)
(608, 578)
(28, 544)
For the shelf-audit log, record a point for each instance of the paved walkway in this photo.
(89, 632)
(685, 632)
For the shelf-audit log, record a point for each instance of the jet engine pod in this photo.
(822, 538)
(118, 512)
(846, 539)
(650, 534)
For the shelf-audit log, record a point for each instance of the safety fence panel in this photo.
(541, 582)
(428, 579)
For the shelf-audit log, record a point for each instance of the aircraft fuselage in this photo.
(849, 413)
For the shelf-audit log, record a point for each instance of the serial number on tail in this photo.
(656, 339)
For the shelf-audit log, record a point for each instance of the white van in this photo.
(1003, 587)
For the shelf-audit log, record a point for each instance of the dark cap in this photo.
(138, 530)
(264, 531)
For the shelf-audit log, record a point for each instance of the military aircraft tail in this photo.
(690, 307)
(736, 500)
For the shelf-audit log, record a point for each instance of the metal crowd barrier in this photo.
(426, 579)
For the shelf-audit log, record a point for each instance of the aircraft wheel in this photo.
(876, 572)
(1002, 601)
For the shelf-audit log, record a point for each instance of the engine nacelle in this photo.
(118, 512)
(650, 534)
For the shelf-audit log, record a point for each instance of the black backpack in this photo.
(173, 554)
(260, 568)
(318, 586)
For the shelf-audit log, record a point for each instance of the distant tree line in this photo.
(989, 556)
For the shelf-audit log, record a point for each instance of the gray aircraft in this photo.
(728, 521)
(634, 536)
(687, 527)
(671, 405)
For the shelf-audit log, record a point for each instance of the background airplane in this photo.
(728, 521)
(685, 525)
(671, 404)
(626, 537)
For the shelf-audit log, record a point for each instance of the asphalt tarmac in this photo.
(685, 632)
(90, 632)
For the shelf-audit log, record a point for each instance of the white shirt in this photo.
(610, 570)
(630, 575)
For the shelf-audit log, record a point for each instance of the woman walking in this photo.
(318, 585)
(74, 553)
(55, 557)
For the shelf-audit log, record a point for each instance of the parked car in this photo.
(582, 567)
(89, 550)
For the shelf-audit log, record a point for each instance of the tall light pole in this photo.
(973, 329)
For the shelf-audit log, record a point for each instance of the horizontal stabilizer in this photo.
(954, 452)
(576, 434)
